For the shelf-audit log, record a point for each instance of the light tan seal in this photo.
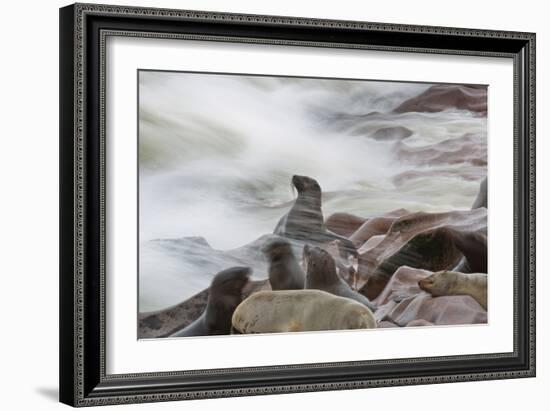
(453, 283)
(299, 310)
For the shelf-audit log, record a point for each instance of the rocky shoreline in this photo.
(395, 250)
(412, 246)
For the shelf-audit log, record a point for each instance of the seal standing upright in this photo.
(304, 221)
(284, 270)
(322, 275)
(225, 294)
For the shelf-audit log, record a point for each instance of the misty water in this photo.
(217, 153)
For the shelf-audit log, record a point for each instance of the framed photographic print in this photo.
(262, 204)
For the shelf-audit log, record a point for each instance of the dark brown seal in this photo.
(284, 270)
(225, 294)
(474, 247)
(304, 221)
(322, 275)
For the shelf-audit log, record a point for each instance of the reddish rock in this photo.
(419, 323)
(419, 240)
(371, 243)
(386, 324)
(447, 96)
(344, 224)
(375, 226)
(372, 227)
(448, 310)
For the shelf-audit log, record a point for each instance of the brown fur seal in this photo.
(453, 283)
(304, 221)
(473, 245)
(299, 310)
(284, 270)
(224, 296)
(322, 275)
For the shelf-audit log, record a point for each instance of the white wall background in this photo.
(29, 203)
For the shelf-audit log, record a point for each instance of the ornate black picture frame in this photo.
(83, 30)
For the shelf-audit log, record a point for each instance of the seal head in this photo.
(438, 284)
(323, 275)
(284, 270)
(306, 184)
(304, 221)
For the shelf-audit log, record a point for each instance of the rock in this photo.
(447, 96)
(344, 223)
(375, 226)
(387, 324)
(165, 322)
(419, 323)
(419, 240)
(371, 243)
(372, 227)
(448, 310)
(403, 284)
(391, 133)
(481, 199)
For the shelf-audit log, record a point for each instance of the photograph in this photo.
(280, 204)
(255, 202)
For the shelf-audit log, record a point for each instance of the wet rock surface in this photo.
(442, 97)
